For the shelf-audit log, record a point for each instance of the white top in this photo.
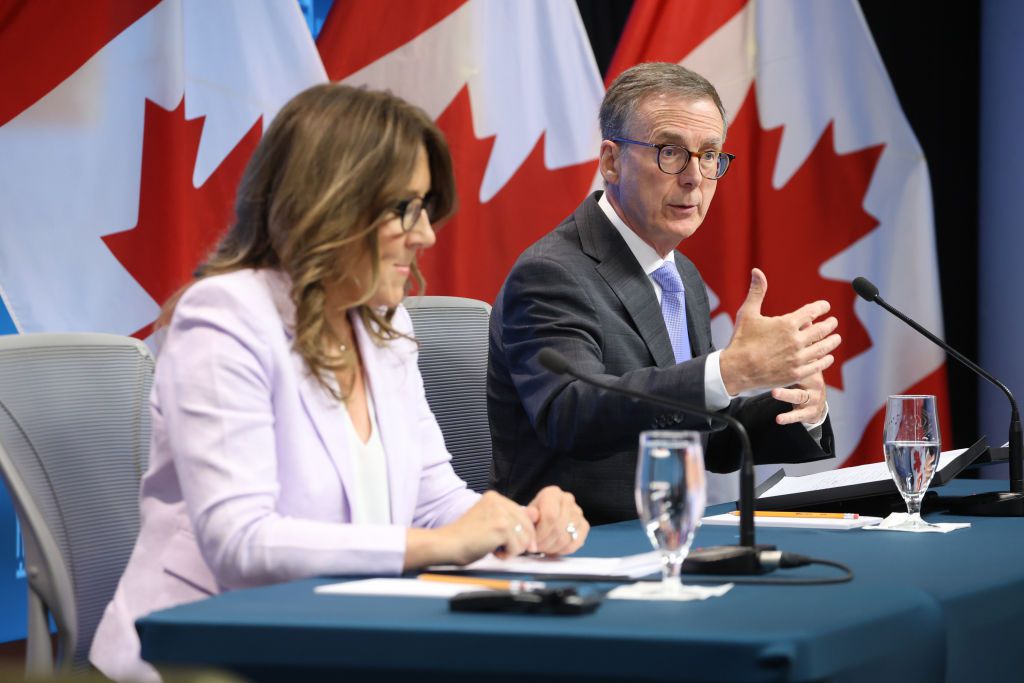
(371, 503)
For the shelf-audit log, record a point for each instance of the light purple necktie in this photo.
(673, 309)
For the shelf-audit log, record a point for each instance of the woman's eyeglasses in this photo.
(409, 210)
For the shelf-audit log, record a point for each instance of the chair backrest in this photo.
(452, 333)
(74, 442)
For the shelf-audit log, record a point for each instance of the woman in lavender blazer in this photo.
(291, 434)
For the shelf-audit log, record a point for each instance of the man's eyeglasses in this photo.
(673, 159)
(410, 209)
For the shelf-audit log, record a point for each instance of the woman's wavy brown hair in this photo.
(324, 177)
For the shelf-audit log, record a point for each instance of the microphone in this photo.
(743, 559)
(867, 290)
(994, 504)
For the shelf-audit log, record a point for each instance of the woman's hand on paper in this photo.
(494, 524)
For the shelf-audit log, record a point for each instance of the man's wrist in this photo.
(817, 425)
(731, 377)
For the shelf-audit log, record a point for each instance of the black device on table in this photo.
(563, 601)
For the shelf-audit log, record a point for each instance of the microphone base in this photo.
(994, 504)
(726, 559)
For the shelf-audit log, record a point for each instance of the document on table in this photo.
(631, 566)
(846, 476)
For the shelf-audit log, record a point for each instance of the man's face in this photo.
(663, 209)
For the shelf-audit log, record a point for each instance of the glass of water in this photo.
(912, 446)
(670, 497)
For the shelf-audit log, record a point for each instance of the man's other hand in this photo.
(807, 398)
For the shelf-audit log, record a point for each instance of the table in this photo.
(922, 607)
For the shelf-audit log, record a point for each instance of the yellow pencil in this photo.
(805, 515)
(496, 584)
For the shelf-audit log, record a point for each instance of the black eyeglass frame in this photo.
(409, 210)
(689, 156)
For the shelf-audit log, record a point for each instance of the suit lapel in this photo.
(601, 241)
(325, 412)
(328, 417)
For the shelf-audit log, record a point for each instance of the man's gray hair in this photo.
(651, 78)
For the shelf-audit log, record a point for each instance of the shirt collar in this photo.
(644, 253)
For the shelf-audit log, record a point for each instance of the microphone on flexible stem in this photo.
(747, 558)
(994, 504)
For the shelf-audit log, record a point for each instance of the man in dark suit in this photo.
(607, 290)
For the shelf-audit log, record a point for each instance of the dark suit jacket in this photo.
(579, 290)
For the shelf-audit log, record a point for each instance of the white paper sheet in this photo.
(897, 518)
(652, 591)
(632, 566)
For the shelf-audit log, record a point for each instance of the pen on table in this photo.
(513, 585)
(805, 515)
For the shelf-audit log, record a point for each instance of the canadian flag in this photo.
(829, 183)
(516, 90)
(124, 129)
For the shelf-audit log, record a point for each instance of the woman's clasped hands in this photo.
(552, 523)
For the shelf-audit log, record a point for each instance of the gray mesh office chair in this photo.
(452, 333)
(74, 441)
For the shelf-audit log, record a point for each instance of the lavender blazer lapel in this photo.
(326, 414)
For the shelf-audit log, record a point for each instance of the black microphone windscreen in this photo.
(553, 361)
(865, 289)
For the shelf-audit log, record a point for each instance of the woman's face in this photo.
(398, 248)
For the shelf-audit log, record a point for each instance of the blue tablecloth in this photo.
(922, 607)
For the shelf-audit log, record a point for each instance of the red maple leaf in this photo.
(476, 249)
(788, 232)
(178, 223)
